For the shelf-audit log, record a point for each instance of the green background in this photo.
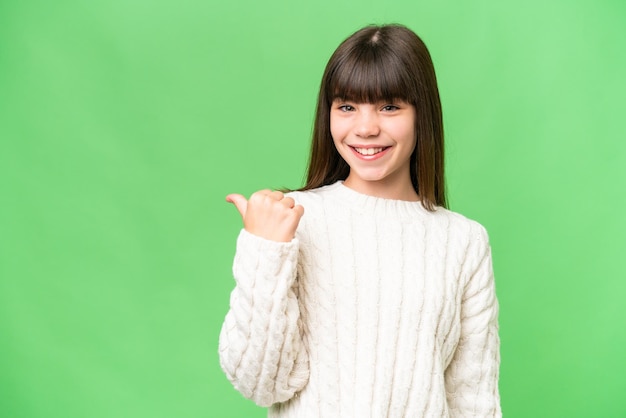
(123, 124)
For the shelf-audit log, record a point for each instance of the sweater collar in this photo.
(371, 204)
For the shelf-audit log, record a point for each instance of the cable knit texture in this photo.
(378, 308)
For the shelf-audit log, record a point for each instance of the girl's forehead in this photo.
(370, 88)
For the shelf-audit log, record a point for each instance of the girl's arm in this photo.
(472, 376)
(261, 349)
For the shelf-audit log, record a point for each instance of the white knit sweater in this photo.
(378, 308)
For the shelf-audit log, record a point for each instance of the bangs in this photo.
(371, 76)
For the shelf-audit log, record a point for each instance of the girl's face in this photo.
(376, 140)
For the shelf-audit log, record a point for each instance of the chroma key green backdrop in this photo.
(123, 124)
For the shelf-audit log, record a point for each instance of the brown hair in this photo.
(382, 63)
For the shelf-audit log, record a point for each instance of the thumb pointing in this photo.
(240, 203)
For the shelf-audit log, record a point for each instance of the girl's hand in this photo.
(268, 214)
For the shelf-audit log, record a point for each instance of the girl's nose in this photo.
(367, 125)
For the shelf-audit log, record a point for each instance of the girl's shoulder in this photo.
(460, 224)
(331, 194)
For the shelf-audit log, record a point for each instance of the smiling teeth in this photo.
(368, 151)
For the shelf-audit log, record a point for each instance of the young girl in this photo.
(361, 295)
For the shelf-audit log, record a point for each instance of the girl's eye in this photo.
(345, 108)
(390, 108)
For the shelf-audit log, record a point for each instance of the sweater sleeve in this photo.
(472, 377)
(260, 346)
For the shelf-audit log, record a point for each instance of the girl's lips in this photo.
(369, 153)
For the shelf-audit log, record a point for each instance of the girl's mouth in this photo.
(369, 151)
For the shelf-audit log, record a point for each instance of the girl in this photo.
(361, 295)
